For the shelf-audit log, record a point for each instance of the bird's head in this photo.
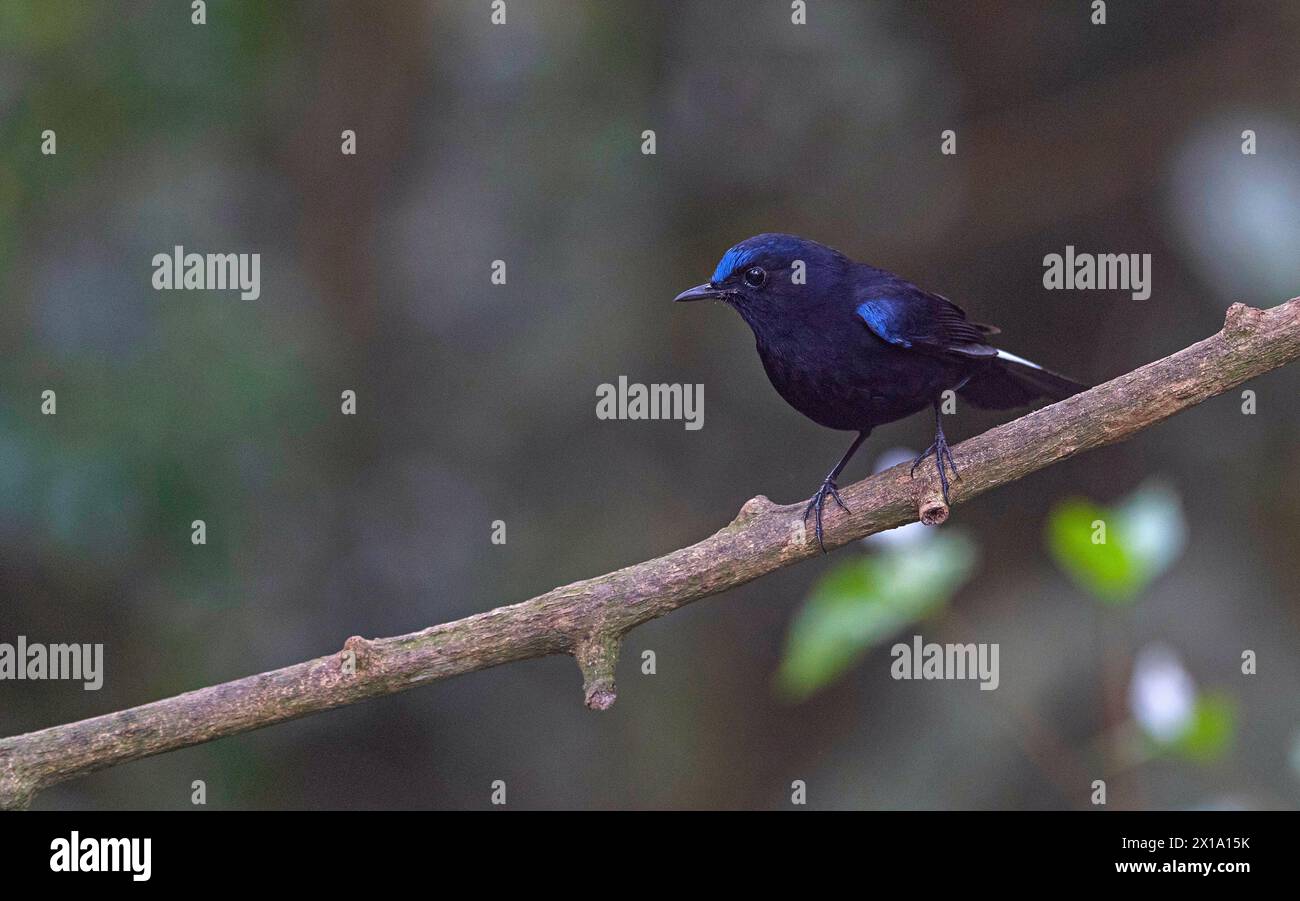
(772, 275)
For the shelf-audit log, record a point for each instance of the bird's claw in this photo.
(942, 455)
(818, 501)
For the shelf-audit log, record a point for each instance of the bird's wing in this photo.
(984, 328)
(912, 318)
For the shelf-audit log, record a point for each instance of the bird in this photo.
(853, 347)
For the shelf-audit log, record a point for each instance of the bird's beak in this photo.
(700, 292)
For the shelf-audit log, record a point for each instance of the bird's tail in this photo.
(1009, 381)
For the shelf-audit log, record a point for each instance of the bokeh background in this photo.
(522, 142)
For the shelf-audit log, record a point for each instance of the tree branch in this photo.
(588, 619)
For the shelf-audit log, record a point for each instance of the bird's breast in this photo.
(849, 380)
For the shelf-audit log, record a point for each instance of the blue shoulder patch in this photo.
(876, 316)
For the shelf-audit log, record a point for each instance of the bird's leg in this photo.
(828, 487)
(941, 453)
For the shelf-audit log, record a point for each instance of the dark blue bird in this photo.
(852, 347)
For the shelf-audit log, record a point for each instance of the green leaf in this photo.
(1210, 733)
(864, 602)
(1115, 553)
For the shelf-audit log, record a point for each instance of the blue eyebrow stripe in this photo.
(732, 260)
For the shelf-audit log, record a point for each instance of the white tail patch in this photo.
(1014, 359)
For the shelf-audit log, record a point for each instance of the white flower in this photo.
(1162, 694)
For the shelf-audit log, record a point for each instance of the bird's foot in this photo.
(818, 501)
(942, 456)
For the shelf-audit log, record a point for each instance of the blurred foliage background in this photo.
(476, 402)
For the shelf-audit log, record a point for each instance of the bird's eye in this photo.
(755, 277)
